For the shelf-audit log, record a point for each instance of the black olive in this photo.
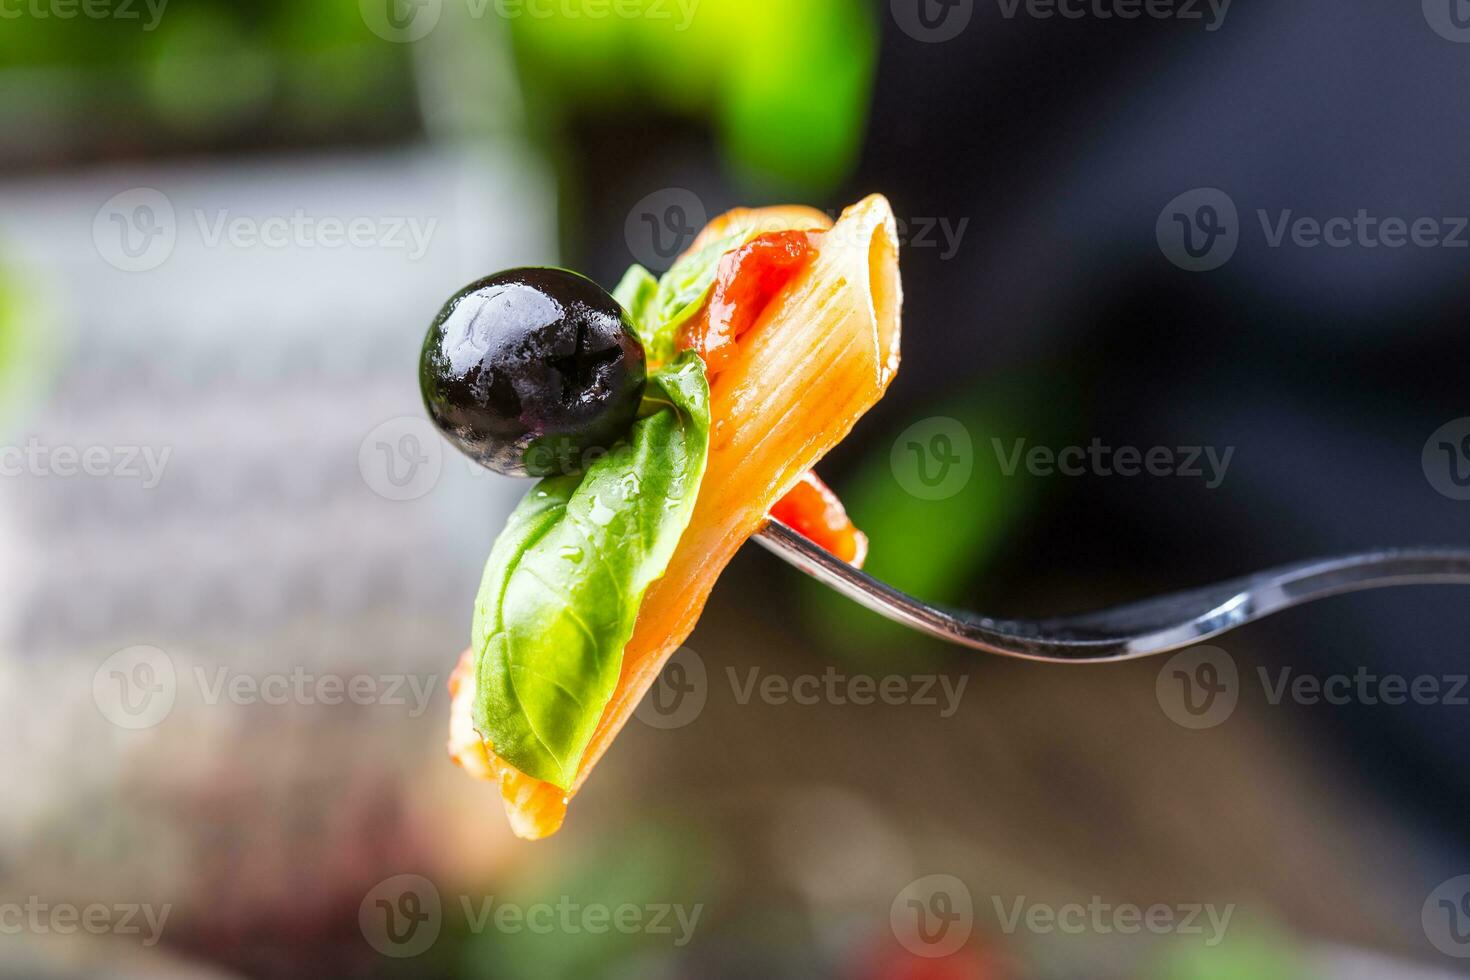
(533, 372)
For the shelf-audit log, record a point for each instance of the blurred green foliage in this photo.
(651, 864)
(9, 330)
(196, 46)
(1254, 955)
(12, 348)
(786, 84)
(318, 55)
(199, 68)
(29, 348)
(77, 41)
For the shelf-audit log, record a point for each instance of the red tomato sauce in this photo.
(812, 510)
(748, 279)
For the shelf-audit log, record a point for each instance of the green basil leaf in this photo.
(566, 578)
(635, 294)
(683, 289)
(680, 294)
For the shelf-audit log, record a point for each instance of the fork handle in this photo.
(1135, 630)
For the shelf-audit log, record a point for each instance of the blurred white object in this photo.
(230, 467)
(232, 337)
(1343, 963)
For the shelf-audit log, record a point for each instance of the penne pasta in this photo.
(819, 356)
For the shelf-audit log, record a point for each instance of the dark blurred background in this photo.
(223, 230)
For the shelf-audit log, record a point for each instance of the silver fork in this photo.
(1139, 629)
